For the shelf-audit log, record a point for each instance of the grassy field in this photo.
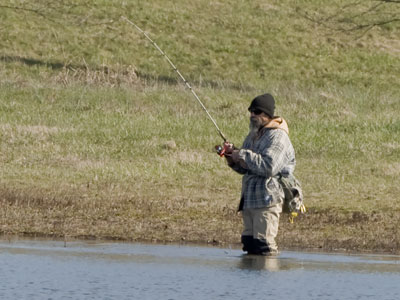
(100, 139)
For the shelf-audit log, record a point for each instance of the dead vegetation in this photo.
(105, 76)
(126, 216)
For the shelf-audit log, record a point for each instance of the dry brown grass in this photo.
(105, 75)
(118, 214)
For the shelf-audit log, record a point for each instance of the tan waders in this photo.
(260, 229)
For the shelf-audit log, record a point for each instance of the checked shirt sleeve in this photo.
(269, 157)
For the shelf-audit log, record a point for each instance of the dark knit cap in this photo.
(265, 103)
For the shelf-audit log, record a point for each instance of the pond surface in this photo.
(85, 270)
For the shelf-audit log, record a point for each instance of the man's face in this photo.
(258, 118)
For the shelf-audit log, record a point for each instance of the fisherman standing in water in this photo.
(266, 154)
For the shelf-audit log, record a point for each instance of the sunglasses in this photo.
(256, 111)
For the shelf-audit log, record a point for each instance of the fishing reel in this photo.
(221, 150)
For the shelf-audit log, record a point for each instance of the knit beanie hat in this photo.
(265, 103)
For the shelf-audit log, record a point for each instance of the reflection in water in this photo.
(256, 262)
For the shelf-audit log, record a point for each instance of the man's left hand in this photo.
(234, 155)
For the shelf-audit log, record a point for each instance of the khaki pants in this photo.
(261, 224)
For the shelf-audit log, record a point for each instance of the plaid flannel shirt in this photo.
(265, 158)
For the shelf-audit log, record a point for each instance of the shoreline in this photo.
(43, 237)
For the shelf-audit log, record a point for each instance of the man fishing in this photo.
(266, 154)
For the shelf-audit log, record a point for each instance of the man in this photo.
(266, 154)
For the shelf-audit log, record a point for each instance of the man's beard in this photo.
(254, 127)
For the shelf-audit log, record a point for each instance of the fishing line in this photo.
(180, 75)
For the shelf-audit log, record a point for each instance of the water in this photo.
(83, 270)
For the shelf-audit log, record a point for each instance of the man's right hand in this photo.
(229, 147)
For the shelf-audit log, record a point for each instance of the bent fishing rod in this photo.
(180, 75)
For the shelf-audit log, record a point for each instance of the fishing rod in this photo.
(180, 75)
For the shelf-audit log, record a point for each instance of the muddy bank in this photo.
(344, 231)
(325, 230)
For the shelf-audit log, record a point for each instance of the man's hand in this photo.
(235, 156)
(231, 153)
(228, 148)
